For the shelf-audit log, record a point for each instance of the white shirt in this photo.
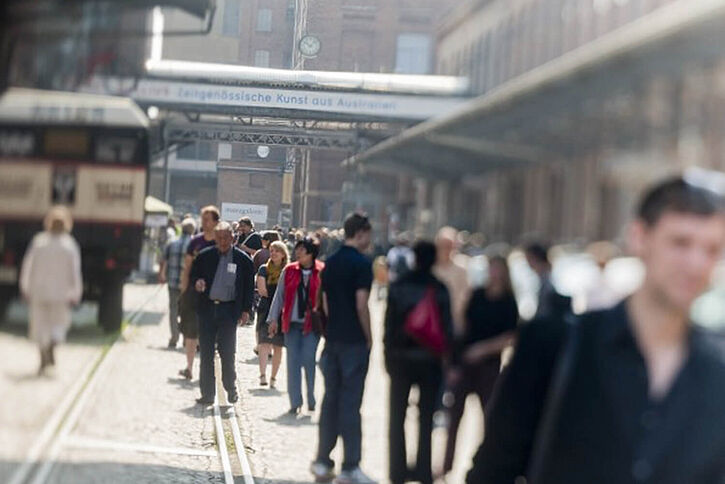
(51, 270)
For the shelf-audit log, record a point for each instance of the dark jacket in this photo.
(403, 296)
(205, 266)
(606, 428)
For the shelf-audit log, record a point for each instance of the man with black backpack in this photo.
(629, 394)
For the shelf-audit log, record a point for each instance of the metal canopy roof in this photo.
(324, 80)
(560, 108)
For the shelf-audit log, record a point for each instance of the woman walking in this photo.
(292, 304)
(491, 319)
(267, 280)
(410, 363)
(50, 280)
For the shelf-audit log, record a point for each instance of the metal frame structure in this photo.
(261, 135)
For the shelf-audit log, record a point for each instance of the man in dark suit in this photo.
(632, 394)
(223, 277)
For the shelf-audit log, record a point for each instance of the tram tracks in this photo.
(57, 434)
(40, 458)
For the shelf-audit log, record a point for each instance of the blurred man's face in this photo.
(207, 222)
(303, 257)
(444, 247)
(245, 229)
(679, 253)
(224, 240)
(363, 239)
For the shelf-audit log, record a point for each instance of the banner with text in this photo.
(234, 211)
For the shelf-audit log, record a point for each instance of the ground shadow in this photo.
(149, 318)
(182, 382)
(71, 472)
(289, 420)
(265, 392)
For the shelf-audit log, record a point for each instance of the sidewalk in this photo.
(141, 423)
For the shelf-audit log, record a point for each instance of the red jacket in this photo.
(292, 279)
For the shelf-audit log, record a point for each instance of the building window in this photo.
(257, 180)
(196, 151)
(187, 152)
(205, 152)
(413, 54)
(261, 58)
(264, 20)
(230, 20)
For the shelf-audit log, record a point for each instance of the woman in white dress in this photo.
(50, 280)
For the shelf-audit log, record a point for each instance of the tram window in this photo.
(66, 143)
(115, 149)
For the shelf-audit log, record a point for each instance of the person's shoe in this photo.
(293, 411)
(311, 408)
(233, 397)
(322, 472)
(262, 380)
(171, 345)
(354, 476)
(273, 383)
(205, 401)
(186, 373)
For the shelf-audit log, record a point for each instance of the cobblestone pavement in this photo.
(140, 423)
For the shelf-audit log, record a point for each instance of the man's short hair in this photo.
(214, 211)
(270, 235)
(246, 221)
(311, 246)
(224, 226)
(538, 250)
(677, 195)
(188, 226)
(356, 223)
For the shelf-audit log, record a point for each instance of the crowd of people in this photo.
(445, 335)
(632, 380)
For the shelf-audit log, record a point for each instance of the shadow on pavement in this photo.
(148, 318)
(115, 472)
(183, 382)
(291, 420)
(262, 392)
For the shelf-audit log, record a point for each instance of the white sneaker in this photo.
(355, 476)
(322, 472)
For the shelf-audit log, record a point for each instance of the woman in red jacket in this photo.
(292, 304)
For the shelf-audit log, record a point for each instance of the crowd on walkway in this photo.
(629, 378)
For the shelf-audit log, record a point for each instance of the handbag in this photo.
(424, 324)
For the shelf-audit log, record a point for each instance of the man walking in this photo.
(550, 304)
(249, 240)
(631, 394)
(223, 276)
(346, 283)
(170, 273)
(187, 305)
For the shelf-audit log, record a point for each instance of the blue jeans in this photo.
(301, 353)
(344, 367)
(217, 330)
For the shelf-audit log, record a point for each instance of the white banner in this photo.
(160, 92)
(234, 211)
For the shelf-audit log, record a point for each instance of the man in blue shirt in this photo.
(346, 283)
(170, 273)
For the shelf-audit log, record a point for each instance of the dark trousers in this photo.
(479, 379)
(217, 329)
(344, 367)
(427, 375)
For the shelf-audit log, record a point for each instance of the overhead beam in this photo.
(262, 135)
